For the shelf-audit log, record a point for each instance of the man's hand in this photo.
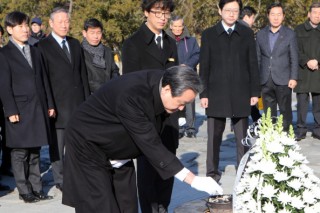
(14, 119)
(254, 101)
(51, 113)
(206, 184)
(312, 64)
(204, 102)
(292, 84)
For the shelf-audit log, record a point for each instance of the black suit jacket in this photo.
(25, 91)
(68, 81)
(119, 121)
(140, 52)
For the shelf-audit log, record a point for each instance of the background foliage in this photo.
(121, 18)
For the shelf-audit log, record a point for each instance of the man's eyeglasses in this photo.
(159, 14)
(233, 11)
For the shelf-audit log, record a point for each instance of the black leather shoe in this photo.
(315, 136)
(191, 135)
(41, 196)
(4, 187)
(300, 137)
(6, 172)
(28, 198)
(59, 186)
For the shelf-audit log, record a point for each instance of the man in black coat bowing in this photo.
(121, 121)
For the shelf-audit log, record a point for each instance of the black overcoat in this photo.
(68, 81)
(116, 122)
(140, 52)
(229, 71)
(309, 48)
(25, 91)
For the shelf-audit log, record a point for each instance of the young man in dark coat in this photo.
(121, 121)
(98, 57)
(308, 36)
(64, 62)
(229, 70)
(151, 48)
(27, 104)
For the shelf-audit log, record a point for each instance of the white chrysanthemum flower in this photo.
(284, 211)
(269, 191)
(306, 169)
(269, 208)
(297, 202)
(317, 207)
(275, 147)
(316, 192)
(297, 172)
(267, 167)
(286, 161)
(310, 209)
(252, 205)
(284, 197)
(256, 157)
(307, 183)
(308, 197)
(296, 156)
(295, 184)
(314, 178)
(281, 176)
(285, 140)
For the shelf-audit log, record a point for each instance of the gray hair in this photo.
(176, 18)
(58, 10)
(180, 79)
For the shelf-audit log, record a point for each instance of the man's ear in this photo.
(9, 30)
(166, 90)
(84, 33)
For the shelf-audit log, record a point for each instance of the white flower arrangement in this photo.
(276, 178)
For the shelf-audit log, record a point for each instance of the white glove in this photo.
(206, 184)
(182, 121)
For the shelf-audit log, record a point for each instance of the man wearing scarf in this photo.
(98, 58)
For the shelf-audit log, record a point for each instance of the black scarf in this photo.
(97, 53)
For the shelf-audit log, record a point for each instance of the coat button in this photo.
(161, 164)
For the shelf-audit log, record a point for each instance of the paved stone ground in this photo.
(192, 153)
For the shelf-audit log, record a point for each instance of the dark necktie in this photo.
(65, 50)
(159, 42)
(230, 31)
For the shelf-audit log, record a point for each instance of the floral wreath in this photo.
(276, 177)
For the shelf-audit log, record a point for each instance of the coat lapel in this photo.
(19, 56)
(266, 38)
(58, 48)
(279, 40)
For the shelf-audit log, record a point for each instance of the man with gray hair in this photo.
(64, 63)
(121, 121)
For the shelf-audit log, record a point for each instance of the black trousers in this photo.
(216, 128)
(5, 151)
(302, 110)
(26, 169)
(56, 149)
(273, 95)
(154, 192)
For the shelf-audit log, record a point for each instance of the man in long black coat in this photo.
(121, 121)
(143, 51)
(68, 80)
(229, 70)
(27, 105)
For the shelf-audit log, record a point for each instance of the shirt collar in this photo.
(57, 38)
(226, 27)
(275, 32)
